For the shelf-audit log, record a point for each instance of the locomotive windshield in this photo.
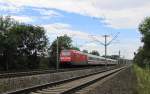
(65, 53)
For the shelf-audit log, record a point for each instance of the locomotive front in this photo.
(65, 57)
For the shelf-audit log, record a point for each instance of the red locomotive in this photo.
(74, 57)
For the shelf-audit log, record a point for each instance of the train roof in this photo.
(93, 55)
(99, 57)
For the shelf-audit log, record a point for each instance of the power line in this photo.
(95, 39)
(115, 37)
(105, 44)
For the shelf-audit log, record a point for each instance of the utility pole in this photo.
(119, 54)
(105, 36)
(119, 57)
(57, 65)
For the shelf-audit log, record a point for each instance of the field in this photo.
(143, 79)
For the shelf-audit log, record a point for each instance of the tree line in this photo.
(142, 57)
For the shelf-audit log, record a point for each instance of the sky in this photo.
(85, 21)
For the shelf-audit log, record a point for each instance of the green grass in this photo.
(143, 79)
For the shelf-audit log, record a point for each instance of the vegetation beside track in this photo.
(142, 57)
(143, 79)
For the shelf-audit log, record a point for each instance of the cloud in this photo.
(46, 13)
(5, 6)
(60, 29)
(23, 19)
(116, 14)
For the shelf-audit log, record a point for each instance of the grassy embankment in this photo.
(143, 79)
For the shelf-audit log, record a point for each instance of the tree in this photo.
(32, 43)
(64, 42)
(144, 28)
(139, 57)
(85, 51)
(20, 44)
(115, 57)
(7, 42)
(94, 52)
(75, 48)
(143, 55)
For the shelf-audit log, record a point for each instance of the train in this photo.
(75, 58)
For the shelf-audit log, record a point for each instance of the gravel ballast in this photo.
(123, 82)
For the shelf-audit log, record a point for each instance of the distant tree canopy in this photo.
(143, 55)
(112, 56)
(94, 52)
(85, 51)
(20, 44)
(75, 48)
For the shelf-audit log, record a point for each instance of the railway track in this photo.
(71, 85)
(19, 74)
